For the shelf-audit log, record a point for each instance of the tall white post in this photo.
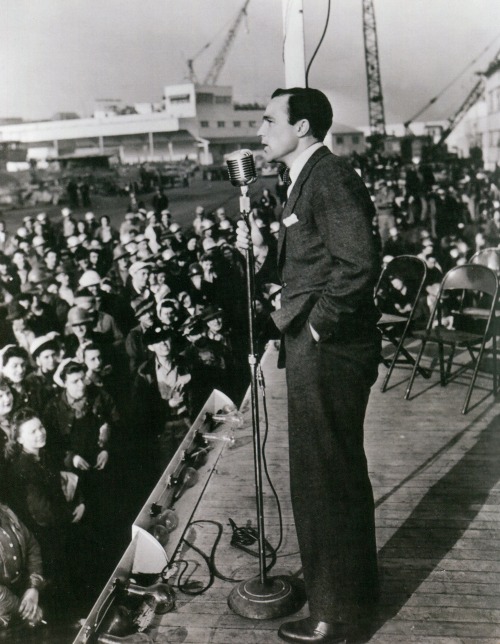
(294, 43)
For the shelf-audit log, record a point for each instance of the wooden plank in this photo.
(436, 480)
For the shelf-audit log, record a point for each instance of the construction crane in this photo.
(190, 63)
(476, 93)
(220, 59)
(375, 96)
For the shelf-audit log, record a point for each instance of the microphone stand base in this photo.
(276, 597)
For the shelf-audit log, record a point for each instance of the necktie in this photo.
(285, 175)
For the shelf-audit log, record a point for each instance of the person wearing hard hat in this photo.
(144, 312)
(138, 283)
(162, 396)
(178, 240)
(199, 216)
(89, 298)
(46, 353)
(79, 330)
(20, 331)
(201, 292)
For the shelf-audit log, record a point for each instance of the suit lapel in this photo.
(292, 200)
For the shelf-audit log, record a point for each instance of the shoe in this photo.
(309, 630)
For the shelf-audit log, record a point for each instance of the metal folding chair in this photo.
(467, 281)
(397, 294)
(489, 257)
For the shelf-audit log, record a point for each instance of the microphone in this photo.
(241, 168)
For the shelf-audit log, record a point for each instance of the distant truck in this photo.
(102, 170)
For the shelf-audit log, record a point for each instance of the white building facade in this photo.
(198, 122)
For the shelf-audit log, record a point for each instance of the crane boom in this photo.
(474, 95)
(375, 96)
(220, 59)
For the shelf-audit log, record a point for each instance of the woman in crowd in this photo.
(48, 504)
(14, 367)
(7, 433)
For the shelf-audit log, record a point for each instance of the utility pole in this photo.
(373, 78)
(294, 56)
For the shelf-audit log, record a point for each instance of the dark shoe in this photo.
(309, 630)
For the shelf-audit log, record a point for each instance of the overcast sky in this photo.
(62, 55)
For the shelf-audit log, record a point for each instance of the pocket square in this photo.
(290, 220)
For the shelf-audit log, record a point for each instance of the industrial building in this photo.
(199, 122)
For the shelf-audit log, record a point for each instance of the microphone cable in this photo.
(213, 571)
(209, 560)
(320, 42)
(247, 535)
(243, 536)
(260, 380)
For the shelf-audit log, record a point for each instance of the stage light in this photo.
(169, 519)
(227, 438)
(160, 533)
(228, 415)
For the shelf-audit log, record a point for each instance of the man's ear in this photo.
(302, 128)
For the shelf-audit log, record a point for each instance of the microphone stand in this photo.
(260, 597)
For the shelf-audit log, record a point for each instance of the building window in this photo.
(223, 100)
(204, 97)
(340, 140)
(355, 139)
(251, 123)
(221, 123)
(236, 123)
(204, 123)
(184, 98)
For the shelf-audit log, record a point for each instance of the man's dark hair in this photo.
(91, 346)
(310, 104)
(14, 352)
(72, 367)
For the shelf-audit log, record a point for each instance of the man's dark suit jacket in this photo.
(329, 259)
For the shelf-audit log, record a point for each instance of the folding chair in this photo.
(489, 257)
(469, 280)
(397, 294)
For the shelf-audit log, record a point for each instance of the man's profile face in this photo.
(279, 138)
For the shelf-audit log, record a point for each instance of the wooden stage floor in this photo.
(436, 477)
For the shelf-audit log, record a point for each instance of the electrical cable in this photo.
(454, 80)
(260, 377)
(208, 559)
(242, 537)
(319, 43)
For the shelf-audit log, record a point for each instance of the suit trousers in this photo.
(332, 500)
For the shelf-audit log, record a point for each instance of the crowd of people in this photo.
(112, 339)
(441, 213)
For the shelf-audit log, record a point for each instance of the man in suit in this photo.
(328, 262)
